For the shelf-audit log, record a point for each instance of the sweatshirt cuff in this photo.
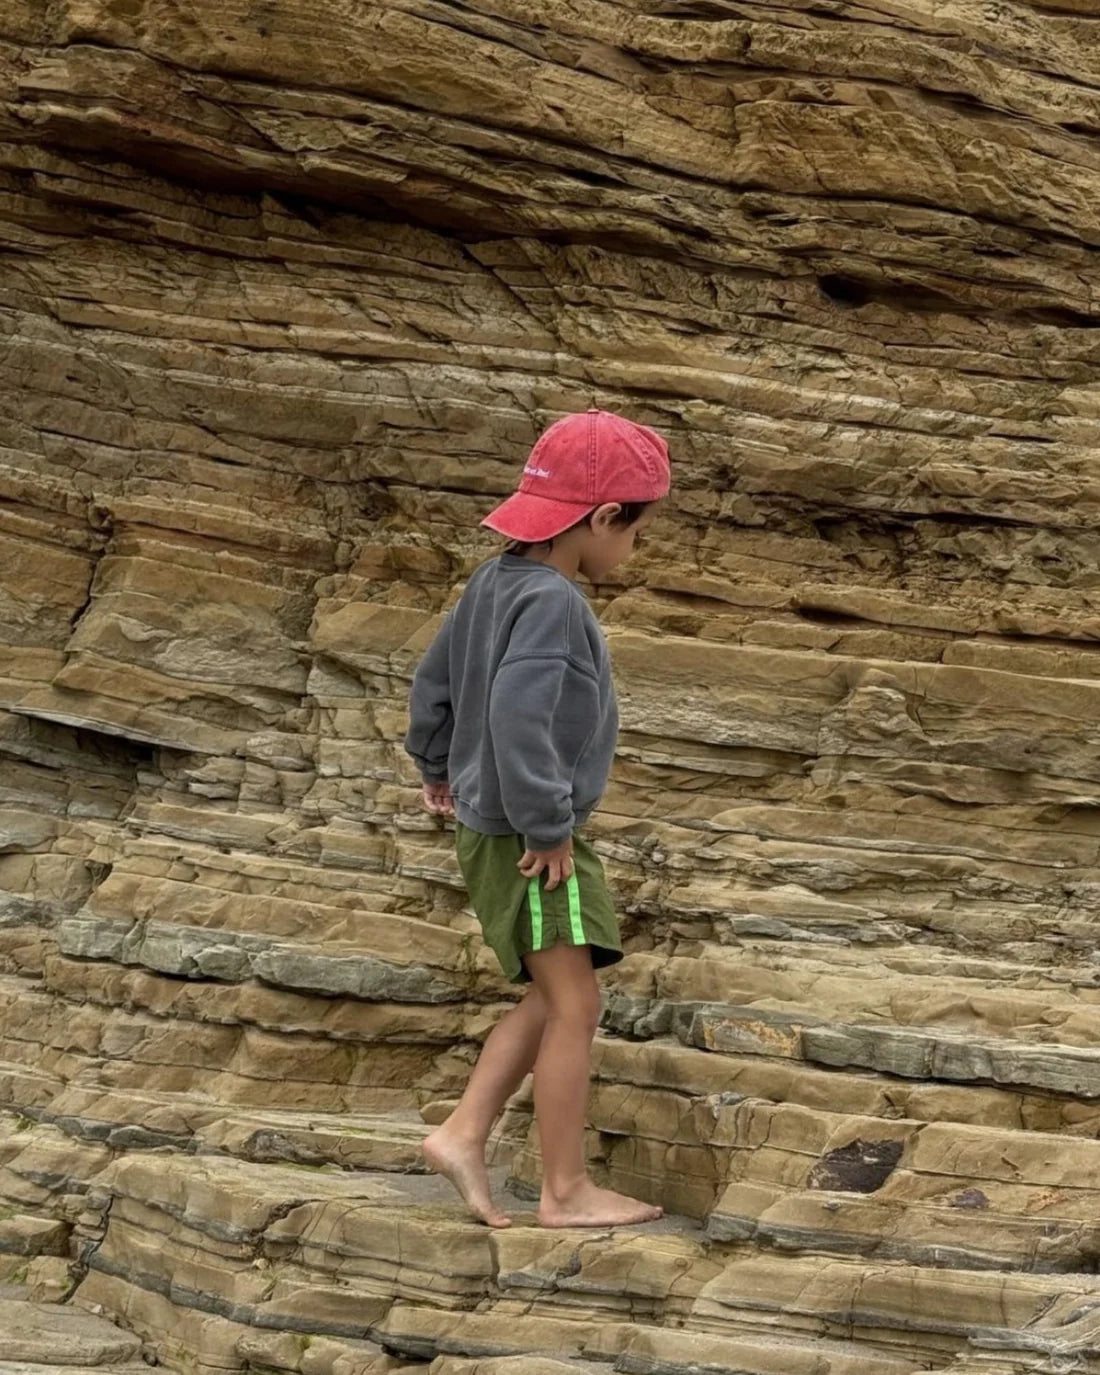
(432, 773)
(549, 840)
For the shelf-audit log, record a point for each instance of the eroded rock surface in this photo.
(287, 291)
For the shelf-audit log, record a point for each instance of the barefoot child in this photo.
(513, 723)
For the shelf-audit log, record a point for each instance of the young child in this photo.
(513, 724)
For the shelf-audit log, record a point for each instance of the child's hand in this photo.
(557, 863)
(437, 798)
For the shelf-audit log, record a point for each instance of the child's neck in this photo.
(561, 557)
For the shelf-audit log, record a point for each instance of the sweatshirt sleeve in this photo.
(543, 709)
(431, 714)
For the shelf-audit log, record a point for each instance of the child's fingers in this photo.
(437, 799)
(532, 864)
(557, 870)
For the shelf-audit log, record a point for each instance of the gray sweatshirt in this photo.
(513, 704)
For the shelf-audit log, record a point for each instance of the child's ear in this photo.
(603, 518)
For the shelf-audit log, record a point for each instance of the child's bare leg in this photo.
(565, 978)
(456, 1149)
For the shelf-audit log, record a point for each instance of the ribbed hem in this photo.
(501, 826)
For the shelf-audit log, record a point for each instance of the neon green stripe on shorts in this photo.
(519, 916)
(534, 901)
(576, 925)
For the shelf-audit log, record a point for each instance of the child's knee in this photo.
(581, 1017)
(581, 1007)
(564, 977)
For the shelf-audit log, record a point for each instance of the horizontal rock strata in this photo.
(286, 293)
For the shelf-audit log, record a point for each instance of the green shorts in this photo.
(518, 916)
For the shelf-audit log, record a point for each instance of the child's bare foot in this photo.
(464, 1166)
(593, 1207)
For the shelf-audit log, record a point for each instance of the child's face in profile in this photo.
(604, 545)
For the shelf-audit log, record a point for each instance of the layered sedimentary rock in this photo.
(287, 292)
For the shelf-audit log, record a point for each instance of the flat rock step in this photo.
(927, 1053)
(325, 1355)
(516, 1365)
(267, 1351)
(632, 1347)
(125, 1119)
(921, 1311)
(910, 987)
(758, 942)
(959, 1225)
(365, 957)
(664, 1068)
(393, 1260)
(37, 1335)
(137, 1118)
(340, 1055)
(64, 1368)
(27, 1234)
(1007, 939)
(795, 1174)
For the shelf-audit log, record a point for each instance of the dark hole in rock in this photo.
(861, 1167)
(968, 1198)
(845, 291)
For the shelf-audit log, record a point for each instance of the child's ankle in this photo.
(563, 1190)
(458, 1134)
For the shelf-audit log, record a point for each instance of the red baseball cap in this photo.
(580, 462)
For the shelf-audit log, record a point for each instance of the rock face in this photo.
(287, 291)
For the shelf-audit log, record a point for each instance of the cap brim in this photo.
(533, 519)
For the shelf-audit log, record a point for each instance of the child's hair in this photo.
(631, 511)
